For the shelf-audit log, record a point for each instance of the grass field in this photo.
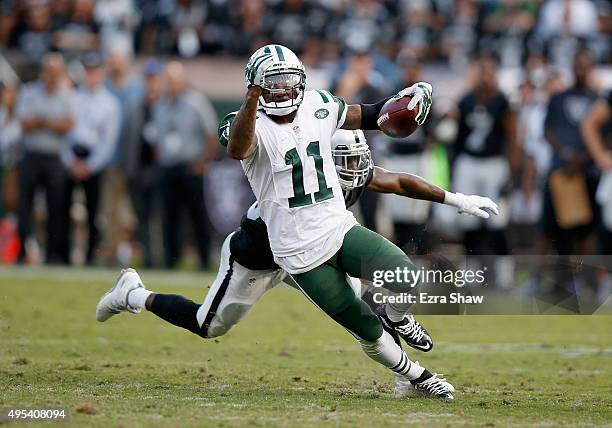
(285, 365)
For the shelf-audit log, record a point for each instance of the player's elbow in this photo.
(236, 152)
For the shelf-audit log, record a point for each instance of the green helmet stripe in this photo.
(256, 64)
(279, 51)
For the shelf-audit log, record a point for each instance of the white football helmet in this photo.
(352, 158)
(284, 73)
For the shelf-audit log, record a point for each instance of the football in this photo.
(395, 120)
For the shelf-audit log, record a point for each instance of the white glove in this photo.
(421, 93)
(471, 204)
(255, 70)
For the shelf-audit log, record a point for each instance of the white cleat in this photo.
(116, 299)
(433, 386)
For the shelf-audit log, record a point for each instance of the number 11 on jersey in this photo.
(300, 197)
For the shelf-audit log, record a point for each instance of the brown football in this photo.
(395, 120)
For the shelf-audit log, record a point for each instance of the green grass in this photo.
(285, 365)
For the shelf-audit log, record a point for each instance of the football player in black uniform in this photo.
(485, 150)
(596, 126)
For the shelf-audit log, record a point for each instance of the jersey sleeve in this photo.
(336, 105)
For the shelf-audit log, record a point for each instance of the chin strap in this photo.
(284, 111)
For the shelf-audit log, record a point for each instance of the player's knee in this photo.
(371, 329)
(360, 320)
(228, 317)
(215, 330)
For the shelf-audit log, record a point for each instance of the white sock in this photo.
(397, 311)
(138, 297)
(385, 351)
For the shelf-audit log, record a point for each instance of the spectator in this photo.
(155, 32)
(253, 23)
(364, 25)
(525, 208)
(418, 29)
(8, 22)
(10, 136)
(187, 141)
(532, 112)
(360, 83)
(460, 37)
(294, 21)
(596, 124)
(139, 158)
(506, 24)
(45, 109)
(563, 24)
(486, 143)
(568, 17)
(409, 216)
(36, 39)
(127, 87)
(187, 25)
(81, 33)
(117, 20)
(565, 112)
(91, 145)
(61, 11)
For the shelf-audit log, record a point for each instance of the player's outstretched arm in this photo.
(365, 116)
(404, 184)
(242, 140)
(413, 186)
(598, 115)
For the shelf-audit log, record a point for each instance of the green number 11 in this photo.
(300, 198)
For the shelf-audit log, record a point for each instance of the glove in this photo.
(421, 93)
(256, 69)
(471, 204)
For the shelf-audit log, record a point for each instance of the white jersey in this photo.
(293, 176)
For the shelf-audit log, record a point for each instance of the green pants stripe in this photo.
(327, 285)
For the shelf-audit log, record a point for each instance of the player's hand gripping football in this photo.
(472, 204)
(255, 70)
(421, 93)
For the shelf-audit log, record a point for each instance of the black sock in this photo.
(177, 310)
(426, 375)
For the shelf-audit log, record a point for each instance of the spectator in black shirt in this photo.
(139, 157)
(486, 144)
(565, 112)
(595, 126)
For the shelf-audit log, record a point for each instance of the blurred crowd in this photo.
(318, 30)
(126, 151)
(106, 135)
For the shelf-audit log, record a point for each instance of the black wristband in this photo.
(369, 114)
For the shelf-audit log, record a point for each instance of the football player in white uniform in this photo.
(287, 158)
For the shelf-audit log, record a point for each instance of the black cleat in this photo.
(410, 330)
